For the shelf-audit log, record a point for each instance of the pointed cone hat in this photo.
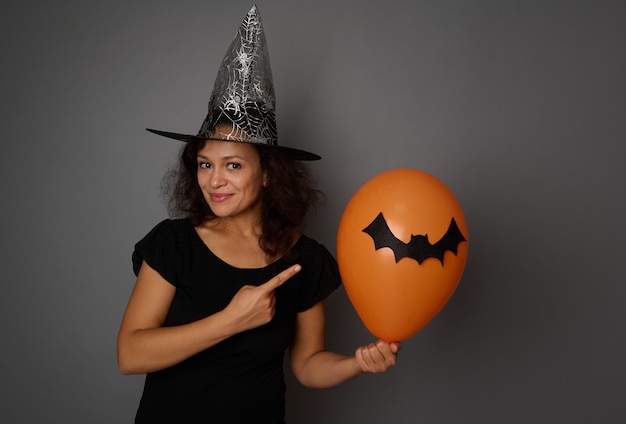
(243, 95)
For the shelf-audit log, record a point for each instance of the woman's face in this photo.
(231, 178)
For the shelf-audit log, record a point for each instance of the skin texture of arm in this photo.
(316, 367)
(144, 345)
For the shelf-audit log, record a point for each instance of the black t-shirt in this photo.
(239, 380)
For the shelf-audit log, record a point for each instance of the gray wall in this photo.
(517, 106)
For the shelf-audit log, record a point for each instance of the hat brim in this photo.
(296, 154)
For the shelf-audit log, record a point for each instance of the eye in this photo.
(234, 165)
(204, 165)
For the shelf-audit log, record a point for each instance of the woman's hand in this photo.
(254, 306)
(377, 357)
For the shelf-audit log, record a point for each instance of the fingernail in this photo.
(297, 268)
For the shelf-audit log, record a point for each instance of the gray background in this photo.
(517, 106)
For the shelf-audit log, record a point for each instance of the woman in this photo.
(223, 292)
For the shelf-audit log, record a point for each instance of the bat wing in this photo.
(383, 237)
(451, 239)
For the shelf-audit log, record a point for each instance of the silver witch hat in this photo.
(243, 94)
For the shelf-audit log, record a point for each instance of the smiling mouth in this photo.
(218, 197)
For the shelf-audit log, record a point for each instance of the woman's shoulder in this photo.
(320, 272)
(171, 225)
(168, 232)
(306, 243)
(162, 245)
(310, 247)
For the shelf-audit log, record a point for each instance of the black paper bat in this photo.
(418, 248)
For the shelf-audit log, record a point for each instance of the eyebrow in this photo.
(230, 157)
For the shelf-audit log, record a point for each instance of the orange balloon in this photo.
(401, 248)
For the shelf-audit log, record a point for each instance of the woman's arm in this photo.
(316, 367)
(144, 345)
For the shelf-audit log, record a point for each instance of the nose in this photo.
(217, 178)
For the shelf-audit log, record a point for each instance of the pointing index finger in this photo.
(282, 277)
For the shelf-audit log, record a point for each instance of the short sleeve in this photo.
(322, 278)
(160, 249)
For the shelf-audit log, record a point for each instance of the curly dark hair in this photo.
(287, 198)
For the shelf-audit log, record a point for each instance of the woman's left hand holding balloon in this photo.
(377, 357)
